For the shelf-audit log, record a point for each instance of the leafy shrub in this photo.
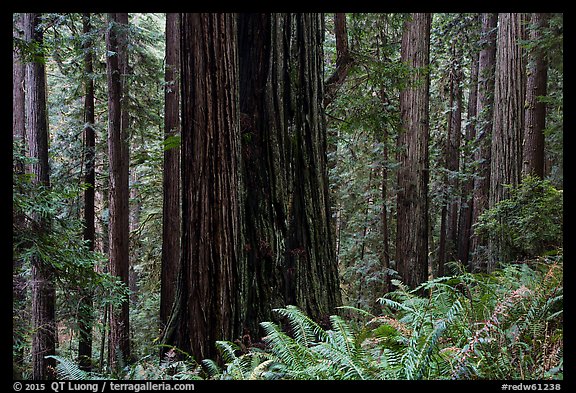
(528, 223)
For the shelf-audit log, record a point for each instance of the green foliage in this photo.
(43, 229)
(528, 223)
(507, 325)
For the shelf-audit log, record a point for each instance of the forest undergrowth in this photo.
(503, 325)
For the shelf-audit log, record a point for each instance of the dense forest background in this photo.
(287, 196)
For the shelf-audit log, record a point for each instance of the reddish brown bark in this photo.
(535, 113)
(412, 211)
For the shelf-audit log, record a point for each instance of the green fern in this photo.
(67, 369)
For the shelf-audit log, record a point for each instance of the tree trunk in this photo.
(535, 115)
(312, 273)
(412, 216)
(265, 161)
(288, 234)
(86, 321)
(344, 59)
(207, 298)
(466, 202)
(42, 288)
(171, 181)
(484, 122)
(506, 163)
(19, 135)
(449, 220)
(119, 343)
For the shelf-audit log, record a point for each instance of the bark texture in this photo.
(508, 108)
(208, 293)
(413, 173)
(506, 163)
(483, 138)
(288, 241)
(171, 182)
(42, 276)
(85, 322)
(118, 227)
(535, 114)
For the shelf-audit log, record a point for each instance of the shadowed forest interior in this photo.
(287, 196)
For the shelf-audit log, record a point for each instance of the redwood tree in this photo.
(118, 228)
(85, 322)
(19, 135)
(42, 276)
(171, 180)
(535, 112)
(484, 122)
(506, 149)
(288, 238)
(412, 213)
(207, 294)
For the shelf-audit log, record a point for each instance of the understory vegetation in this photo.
(504, 325)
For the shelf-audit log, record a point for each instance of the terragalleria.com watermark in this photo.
(100, 387)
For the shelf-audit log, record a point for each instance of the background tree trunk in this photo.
(535, 114)
(208, 297)
(413, 173)
(85, 322)
(42, 280)
(449, 219)
(466, 202)
(119, 340)
(484, 122)
(18, 135)
(171, 181)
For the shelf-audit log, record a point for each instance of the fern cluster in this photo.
(506, 325)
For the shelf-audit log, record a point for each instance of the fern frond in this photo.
(214, 371)
(285, 348)
(305, 330)
(67, 369)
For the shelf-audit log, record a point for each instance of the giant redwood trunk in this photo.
(288, 238)
(42, 276)
(412, 213)
(509, 91)
(506, 149)
(118, 227)
(171, 180)
(208, 293)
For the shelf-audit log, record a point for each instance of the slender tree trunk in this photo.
(43, 290)
(86, 321)
(171, 181)
(208, 297)
(506, 163)
(484, 122)
(19, 135)
(119, 343)
(466, 202)
(535, 113)
(449, 219)
(344, 59)
(412, 217)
